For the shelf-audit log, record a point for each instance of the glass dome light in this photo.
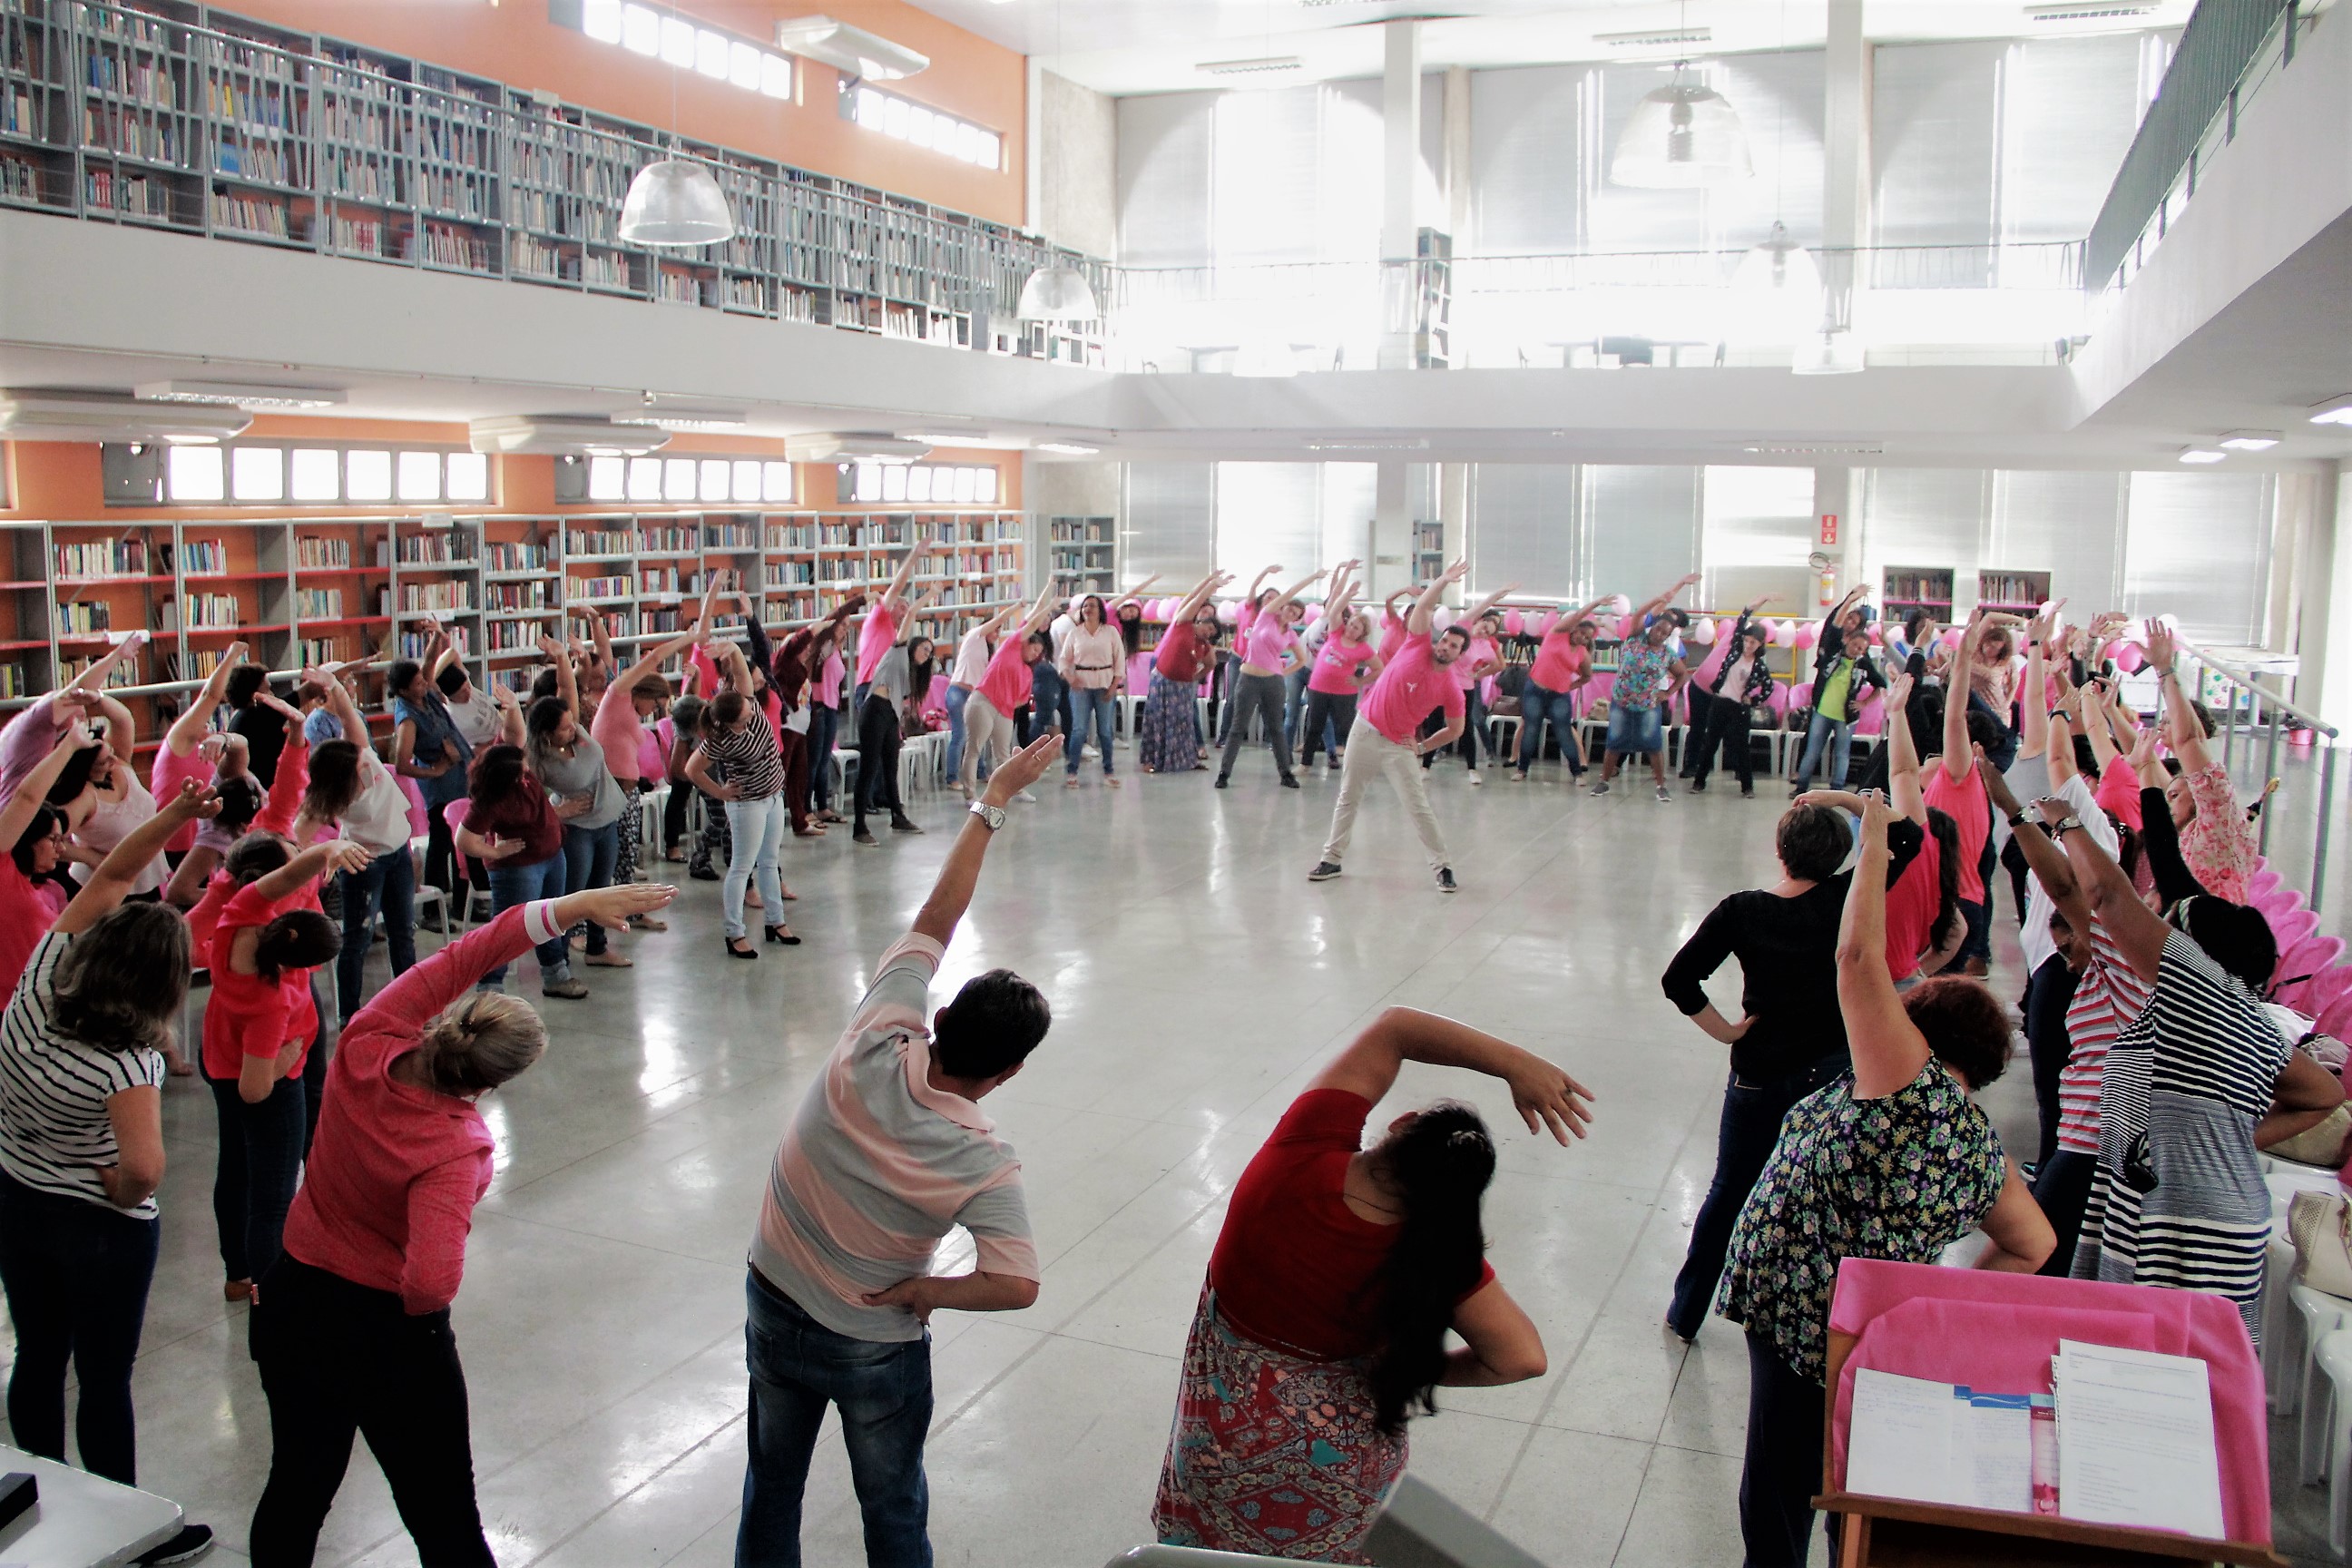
(676, 202)
(1680, 137)
(1058, 293)
(1778, 288)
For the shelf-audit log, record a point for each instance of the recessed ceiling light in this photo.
(2202, 455)
(241, 394)
(2252, 440)
(1254, 66)
(2336, 410)
(2112, 10)
(1067, 449)
(1370, 444)
(1654, 38)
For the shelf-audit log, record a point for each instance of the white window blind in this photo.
(1171, 521)
(1164, 157)
(1527, 163)
(1268, 512)
(1350, 492)
(1924, 516)
(2200, 549)
(1627, 217)
(1757, 530)
(1779, 100)
(2067, 523)
(1263, 194)
(1641, 528)
(1522, 527)
(2069, 108)
(1934, 141)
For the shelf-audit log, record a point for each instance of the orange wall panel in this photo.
(515, 44)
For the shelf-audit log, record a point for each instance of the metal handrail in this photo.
(2276, 706)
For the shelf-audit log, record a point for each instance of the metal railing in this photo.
(2228, 49)
(2269, 710)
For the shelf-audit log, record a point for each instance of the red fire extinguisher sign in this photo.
(1829, 527)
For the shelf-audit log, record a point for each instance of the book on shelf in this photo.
(137, 193)
(431, 550)
(104, 558)
(84, 618)
(72, 669)
(200, 611)
(502, 557)
(251, 214)
(582, 541)
(194, 557)
(318, 603)
(13, 682)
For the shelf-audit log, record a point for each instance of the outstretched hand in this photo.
(194, 803)
(611, 906)
(1997, 790)
(1548, 1099)
(1022, 769)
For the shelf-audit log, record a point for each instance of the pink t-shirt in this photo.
(1392, 636)
(1008, 681)
(1337, 663)
(828, 680)
(1410, 689)
(169, 772)
(618, 730)
(1559, 661)
(874, 640)
(1268, 635)
(1480, 650)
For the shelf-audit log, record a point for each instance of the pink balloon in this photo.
(1808, 634)
(1162, 609)
(1622, 604)
(1230, 612)
(1313, 614)
(2129, 658)
(1877, 633)
(1514, 624)
(1702, 629)
(1951, 638)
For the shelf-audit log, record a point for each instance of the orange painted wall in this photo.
(515, 44)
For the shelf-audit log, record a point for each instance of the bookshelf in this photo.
(2018, 592)
(1909, 588)
(1428, 552)
(1084, 556)
(185, 117)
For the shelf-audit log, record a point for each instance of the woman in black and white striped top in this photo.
(735, 737)
(81, 1147)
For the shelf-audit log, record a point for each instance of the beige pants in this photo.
(983, 727)
(1371, 753)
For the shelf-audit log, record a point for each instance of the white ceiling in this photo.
(1158, 46)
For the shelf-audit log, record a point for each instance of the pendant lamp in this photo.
(1058, 293)
(1681, 137)
(675, 202)
(1778, 288)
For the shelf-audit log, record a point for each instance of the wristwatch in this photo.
(991, 815)
(2060, 829)
(2017, 817)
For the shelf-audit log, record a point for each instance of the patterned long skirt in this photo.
(632, 829)
(1170, 738)
(1270, 1453)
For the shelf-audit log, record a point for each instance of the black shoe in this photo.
(1445, 883)
(1748, 792)
(863, 837)
(1324, 871)
(1698, 787)
(734, 951)
(193, 1541)
(1290, 781)
(1221, 781)
(704, 875)
(782, 934)
(904, 824)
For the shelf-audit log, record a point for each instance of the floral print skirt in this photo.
(1272, 1453)
(1169, 739)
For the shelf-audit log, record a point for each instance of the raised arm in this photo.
(2040, 634)
(318, 860)
(2187, 730)
(121, 729)
(893, 595)
(1200, 594)
(1547, 1098)
(2134, 929)
(1902, 753)
(26, 801)
(1257, 584)
(951, 894)
(1665, 597)
(2066, 718)
(110, 882)
(1133, 595)
(512, 728)
(1957, 758)
(1888, 1049)
(452, 650)
(1830, 621)
(1291, 593)
(1041, 612)
(650, 665)
(2043, 859)
(1418, 621)
(94, 678)
(187, 731)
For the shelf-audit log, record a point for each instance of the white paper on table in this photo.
(2135, 1440)
(1939, 1442)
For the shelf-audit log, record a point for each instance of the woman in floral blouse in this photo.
(1893, 1162)
(2216, 839)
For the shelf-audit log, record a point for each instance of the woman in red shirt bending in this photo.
(1338, 1271)
(352, 1326)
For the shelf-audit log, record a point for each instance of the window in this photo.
(933, 484)
(655, 32)
(193, 473)
(257, 473)
(367, 475)
(644, 478)
(902, 120)
(677, 479)
(716, 480)
(420, 475)
(469, 476)
(268, 473)
(318, 473)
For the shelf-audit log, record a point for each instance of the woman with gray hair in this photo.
(352, 1324)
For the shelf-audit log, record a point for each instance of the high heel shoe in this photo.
(782, 934)
(734, 951)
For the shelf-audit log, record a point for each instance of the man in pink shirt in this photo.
(1385, 738)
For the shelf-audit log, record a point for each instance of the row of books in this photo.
(141, 195)
(104, 558)
(499, 557)
(206, 610)
(318, 603)
(312, 549)
(251, 214)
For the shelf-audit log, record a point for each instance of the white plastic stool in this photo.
(2321, 1316)
(2333, 1356)
(2279, 1329)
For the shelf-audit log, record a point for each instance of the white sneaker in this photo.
(1475, 778)
(1025, 798)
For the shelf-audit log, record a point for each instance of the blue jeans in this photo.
(1635, 731)
(260, 1155)
(823, 723)
(389, 880)
(756, 830)
(1294, 703)
(514, 885)
(588, 856)
(1539, 706)
(957, 697)
(1095, 704)
(76, 1275)
(1836, 732)
(884, 1389)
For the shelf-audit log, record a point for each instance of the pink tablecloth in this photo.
(1997, 1331)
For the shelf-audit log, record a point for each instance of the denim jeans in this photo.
(261, 1156)
(757, 830)
(823, 723)
(1539, 705)
(1783, 1468)
(957, 697)
(588, 856)
(2048, 991)
(2062, 1190)
(75, 1275)
(1743, 1143)
(1090, 705)
(1837, 734)
(884, 1389)
(1294, 703)
(512, 885)
(389, 881)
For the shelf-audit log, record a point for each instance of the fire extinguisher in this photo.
(1824, 578)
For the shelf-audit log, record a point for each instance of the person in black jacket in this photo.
(1790, 1039)
(1840, 673)
(1726, 713)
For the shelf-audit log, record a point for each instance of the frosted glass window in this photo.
(919, 482)
(894, 481)
(2198, 547)
(896, 114)
(317, 473)
(367, 475)
(1523, 528)
(869, 486)
(747, 479)
(641, 29)
(601, 20)
(869, 109)
(420, 475)
(607, 479)
(194, 473)
(967, 482)
(985, 494)
(743, 67)
(775, 76)
(1527, 184)
(1934, 141)
(257, 473)
(1163, 178)
(991, 151)
(1268, 512)
(1641, 524)
(678, 41)
(716, 479)
(677, 479)
(644, 478)
(776, 483)
(1757, 528)
(470, 476)
(1350, 496)
(710, 53)
(918, 125)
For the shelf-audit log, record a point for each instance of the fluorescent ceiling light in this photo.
(685, 419)
(1370, 444)
(2336, 410)
(2252, 440)
(2202, 455)
(1254, 66)
(1066, 448)
(2112, 10)
(240, 394)
(846, 48)
(1655, 38)
(73, 415)
(564, 435)
(963, 439)
(835, 446)
(1816, 448)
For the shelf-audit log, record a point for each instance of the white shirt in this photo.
(971, 660)
(476, 718)
(2034, 936)
(378, 819)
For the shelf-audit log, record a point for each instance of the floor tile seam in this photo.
(1641, 1485)
(622, 1396)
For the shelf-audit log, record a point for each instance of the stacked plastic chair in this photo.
(2311, 978)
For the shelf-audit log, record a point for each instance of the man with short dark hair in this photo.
(888, 1152)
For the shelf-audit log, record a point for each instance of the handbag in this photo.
(1761, 717)
(2315, 1223)
(2321, 1146)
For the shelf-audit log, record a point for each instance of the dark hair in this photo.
(993, 1024)
(74, 777)
(1947, 875)
(298, 939)
(241, 799)
(2086, 761)
(545, 718)
(1677, 618)
(2234, 936)
(1812, 841)
(1130, 621)
(1441, 1162)
(453, 675)
(1456, 631)
(47, 819)
(919, 670)
(546, 683)
(123, 980)
(1913, 622)
(728, 707)
(245, 683)
(2204, 715)
(334, 780)
(686, 715)
(401, 671)
(1965, 1026)
(1042, 644)
(256, 855)
(652, 688)
(1984, 730)
(498, 773)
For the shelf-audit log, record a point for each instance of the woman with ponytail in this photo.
(1321, 1330)
(351, 1324)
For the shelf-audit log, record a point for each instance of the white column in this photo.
(2325, 644)
(1400, 163)
(1845, 146)
(1389, 565)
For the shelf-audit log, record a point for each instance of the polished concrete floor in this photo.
(1197, 980)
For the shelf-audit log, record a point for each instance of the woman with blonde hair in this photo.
(352, 1324)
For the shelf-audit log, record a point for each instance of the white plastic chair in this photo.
(424, 893)
(2332, 1358)
(2319, 1315)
